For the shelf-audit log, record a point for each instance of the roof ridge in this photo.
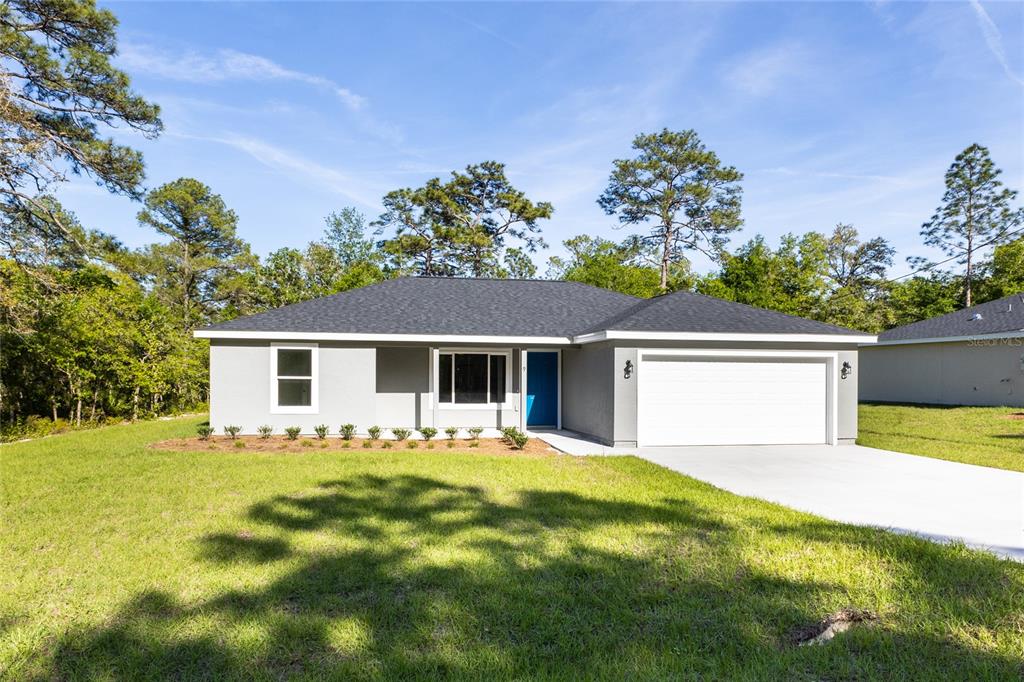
(607, 325)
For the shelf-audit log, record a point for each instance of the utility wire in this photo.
(933, 265)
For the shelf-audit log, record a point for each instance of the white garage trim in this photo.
(831, 359)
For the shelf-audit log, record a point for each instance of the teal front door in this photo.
(541, 388)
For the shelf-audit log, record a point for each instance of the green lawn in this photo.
(122, 562)
(973, 435)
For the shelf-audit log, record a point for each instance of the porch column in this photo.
(434, 371)
(522, 389)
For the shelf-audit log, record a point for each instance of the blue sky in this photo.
(835, 112)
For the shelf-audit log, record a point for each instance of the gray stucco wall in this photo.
(386, 386)
(588, 391)
(961, 373)
(403, 387)
(625, 396)
(240, 387)
(848, 393)
(390, 386)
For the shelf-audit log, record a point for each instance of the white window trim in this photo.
(475, 406)
(314, 386)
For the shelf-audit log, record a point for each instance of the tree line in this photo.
(93, 330)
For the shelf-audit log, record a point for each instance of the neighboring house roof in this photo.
(548, 309)
(1002, 316)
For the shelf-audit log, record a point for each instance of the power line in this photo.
(935, 265)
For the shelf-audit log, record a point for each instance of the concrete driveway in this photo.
(933, 498)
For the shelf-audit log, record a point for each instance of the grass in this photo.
(125, 562)
(974, 435)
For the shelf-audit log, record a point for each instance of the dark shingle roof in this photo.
(684, 311)
(1002, 315)
(508, 307)
(439, 305)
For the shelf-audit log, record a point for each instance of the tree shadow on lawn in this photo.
(436, 580)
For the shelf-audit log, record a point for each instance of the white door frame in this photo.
(558, 382)
(831, 359)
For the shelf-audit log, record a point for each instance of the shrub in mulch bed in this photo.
(285, 443)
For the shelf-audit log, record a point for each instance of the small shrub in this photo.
(321, 431)
(475, 432)
(374, 432)
(323, 444)
(239, 443)
(474, 443)
(346, 444)
(204, 431)
(518, 439)
(452, 432)
(427, 432)
(232, 431)
(430, 445)
(386, 445)
(400, 434)
(347, 431)
(450, 444)
(412, 445)
(507, 434)
(306, 443)
(293, 432)
(265, 431)
(367, 444)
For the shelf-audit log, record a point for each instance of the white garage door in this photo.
(732, 401)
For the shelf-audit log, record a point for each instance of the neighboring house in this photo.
(974, 356)
(673, 370)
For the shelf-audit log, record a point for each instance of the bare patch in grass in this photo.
(830, 626)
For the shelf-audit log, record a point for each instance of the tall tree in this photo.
(462, 226)
(853, 264)
(791, 279)
(204, 249)
(58, 91)
(424, 239)
(618, 267)
(975, 212)
(345, 233)
(518, 265)
(1005, 271)
(490, 212)
(679, 187)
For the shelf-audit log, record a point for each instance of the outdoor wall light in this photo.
(627, 371)
(846, 371)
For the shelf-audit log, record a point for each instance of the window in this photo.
(471, 378)
(293, 372)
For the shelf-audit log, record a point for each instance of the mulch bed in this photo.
(487, 446)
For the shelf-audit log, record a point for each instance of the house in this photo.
(677, 369)
(973, 356)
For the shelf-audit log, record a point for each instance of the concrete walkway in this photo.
(932, 498)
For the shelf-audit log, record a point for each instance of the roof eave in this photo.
(741, 337)
(363, 337)
(1017, 334)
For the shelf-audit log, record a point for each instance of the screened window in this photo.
(471, 378)
(294, 378)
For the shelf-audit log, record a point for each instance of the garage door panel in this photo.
(711, 401)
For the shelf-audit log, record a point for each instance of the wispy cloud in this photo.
(762, 72)
(225, 65)
(352, 187)
(994, 40)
